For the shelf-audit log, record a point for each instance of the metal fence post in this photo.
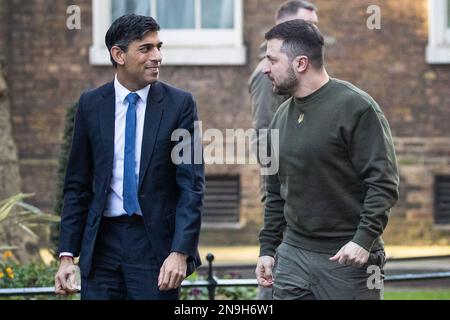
(212, 283)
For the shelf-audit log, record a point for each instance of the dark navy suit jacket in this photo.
(170, 195)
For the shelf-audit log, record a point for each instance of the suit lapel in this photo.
(107, 120)
(153, 115)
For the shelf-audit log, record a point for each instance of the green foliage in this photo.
(222, 293)
(28, 214)
(194, 293)
(34, 274)
(16, 275)
(25, 217)
(418, 295)
(236, 293)
(63, 158)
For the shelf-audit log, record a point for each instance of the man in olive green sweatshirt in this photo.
(264, 101)
(329, 203)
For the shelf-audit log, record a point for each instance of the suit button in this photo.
(106, 191)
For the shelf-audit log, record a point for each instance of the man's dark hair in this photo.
(299, 38)
(290, 8)
(126, 29)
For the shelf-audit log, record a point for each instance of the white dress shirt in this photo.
(114, 204)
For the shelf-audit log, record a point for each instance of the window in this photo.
(448, 22)
(438, 50)
(194, 32)
(221, 201)
(442, 200)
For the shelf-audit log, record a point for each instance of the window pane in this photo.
(218, 14)
(121, 7)
(448, 14)
(176, 14)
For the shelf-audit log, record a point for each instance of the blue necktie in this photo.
(130, 199)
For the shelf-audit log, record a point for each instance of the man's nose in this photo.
(155, 54)
(266, 67)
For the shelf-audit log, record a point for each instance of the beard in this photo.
(289, 85)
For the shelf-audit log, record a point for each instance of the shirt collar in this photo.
(122, 92)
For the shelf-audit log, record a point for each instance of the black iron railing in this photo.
(212, 283)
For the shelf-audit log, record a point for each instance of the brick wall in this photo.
(420, 159)
(48, 69)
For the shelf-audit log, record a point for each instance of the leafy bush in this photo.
(34, 274)
(31, 275)
(16, 212)
(222, 293)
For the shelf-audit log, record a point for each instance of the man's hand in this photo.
(64, 271)
(264, 271)
(172, 272)
(351, 254)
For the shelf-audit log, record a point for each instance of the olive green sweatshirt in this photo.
(337, 177)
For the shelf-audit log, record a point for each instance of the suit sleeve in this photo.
(78, 190)
(190, 179)
(373, 157)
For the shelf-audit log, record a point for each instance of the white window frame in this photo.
(438, 49)
(181, 46)
(447, 25)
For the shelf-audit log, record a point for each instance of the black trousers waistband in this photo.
(124, 219)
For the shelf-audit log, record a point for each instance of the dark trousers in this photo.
(123, 265)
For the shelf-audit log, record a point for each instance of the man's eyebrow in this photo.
(150, 45)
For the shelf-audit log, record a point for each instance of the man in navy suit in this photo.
(130, 212)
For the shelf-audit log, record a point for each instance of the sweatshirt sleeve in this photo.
(271, 234)
(372, 155)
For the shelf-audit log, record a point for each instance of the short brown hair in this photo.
(290, 8)
(300, 37)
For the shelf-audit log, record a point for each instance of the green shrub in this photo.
(34, 274)
(19, 214)
(222, 293)
(31, 275)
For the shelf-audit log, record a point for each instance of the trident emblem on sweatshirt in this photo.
(301, 117)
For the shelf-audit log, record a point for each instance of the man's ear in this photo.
(300, 63)
(118, 55)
